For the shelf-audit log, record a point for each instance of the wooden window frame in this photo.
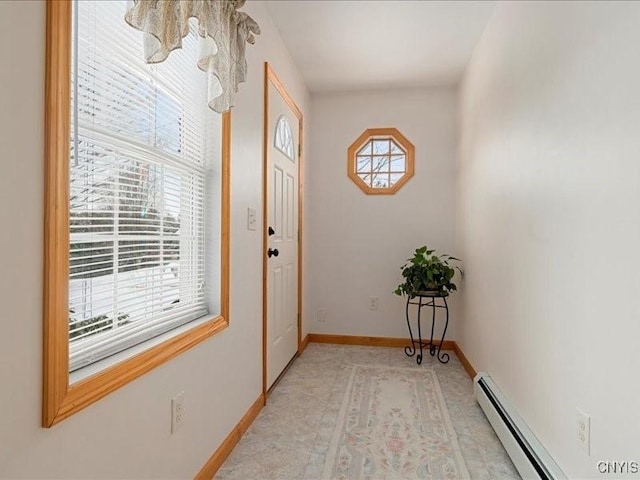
(60, 399)
(381, 133)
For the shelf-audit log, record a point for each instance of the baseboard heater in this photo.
(526, 452)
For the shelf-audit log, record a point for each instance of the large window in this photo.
(142, 181)
(380, 161)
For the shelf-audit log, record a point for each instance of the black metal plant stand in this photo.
(433, 349)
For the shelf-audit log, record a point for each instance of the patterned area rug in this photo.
(392, 423)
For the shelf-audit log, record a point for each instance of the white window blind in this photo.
(144, 189)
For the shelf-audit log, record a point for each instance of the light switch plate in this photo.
(252, 218)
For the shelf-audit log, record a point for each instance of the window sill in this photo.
(131, 352)
(95, 381)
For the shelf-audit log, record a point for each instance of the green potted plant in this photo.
(428, 272)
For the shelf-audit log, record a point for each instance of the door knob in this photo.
(271, 231)
(273, 251)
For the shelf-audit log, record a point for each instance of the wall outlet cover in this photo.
(177, 412)
(373, 303)
(584, 430)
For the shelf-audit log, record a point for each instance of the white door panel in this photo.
(282, 217)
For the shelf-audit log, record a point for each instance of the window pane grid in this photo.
(380, 163)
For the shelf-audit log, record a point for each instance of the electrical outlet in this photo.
(177, 412)
(584, 431)
(322, 315)
(373, 303)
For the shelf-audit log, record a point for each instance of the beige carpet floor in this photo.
(298, 434)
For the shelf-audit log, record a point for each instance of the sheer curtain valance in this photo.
(224, 32)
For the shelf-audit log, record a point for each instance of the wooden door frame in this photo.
(270, 76)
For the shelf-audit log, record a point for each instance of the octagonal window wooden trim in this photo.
(385, 134)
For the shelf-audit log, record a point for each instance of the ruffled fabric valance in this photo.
(224, 32)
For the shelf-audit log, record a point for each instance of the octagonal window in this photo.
(381, 161)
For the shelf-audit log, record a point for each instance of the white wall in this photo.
(358, 242)
(549, 221)
(125, 435)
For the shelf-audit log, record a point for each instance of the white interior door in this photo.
(282, 234)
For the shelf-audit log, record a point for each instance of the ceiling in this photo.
(342, 45)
